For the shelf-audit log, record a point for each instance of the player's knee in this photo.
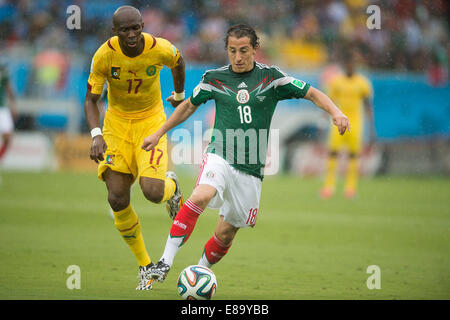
(153, 193)
(118, 202)
(201, 197)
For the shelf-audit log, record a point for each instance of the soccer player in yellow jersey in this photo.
(352, 92)
(130, 62)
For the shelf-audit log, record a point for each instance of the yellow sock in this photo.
(352, 174)
(169, 189)
(330, 177)
(127, 222)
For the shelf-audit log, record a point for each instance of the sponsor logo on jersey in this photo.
(115, 72)
(242, 96)
(242, 85)
(151, 70)
(261, 98)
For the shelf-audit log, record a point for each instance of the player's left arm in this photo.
(321, 100)
(178, 75)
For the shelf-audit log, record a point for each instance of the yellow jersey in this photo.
(134, 89)
(348, 93)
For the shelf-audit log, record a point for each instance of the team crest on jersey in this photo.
(242, 96)
(110, 159)
(210, 175)
(115, 72)
(151, 70)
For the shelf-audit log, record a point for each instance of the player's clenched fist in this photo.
(150, 142)
(98, 148)
(341, 122)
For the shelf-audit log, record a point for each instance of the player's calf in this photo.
(215, 249)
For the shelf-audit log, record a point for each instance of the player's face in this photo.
(129, 34)
(241, 54)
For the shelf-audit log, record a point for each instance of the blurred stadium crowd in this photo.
(413, 34)
(406, 60)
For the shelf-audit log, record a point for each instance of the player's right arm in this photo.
(201, 94)
(95, 84)
(98, 146)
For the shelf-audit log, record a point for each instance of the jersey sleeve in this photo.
(97, 74)
(169, 53)
(287, 87)
(202, 92)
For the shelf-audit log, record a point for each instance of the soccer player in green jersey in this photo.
(246, 94)
(6, 114)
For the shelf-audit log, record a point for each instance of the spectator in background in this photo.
(410, 37)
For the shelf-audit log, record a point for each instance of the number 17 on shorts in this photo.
(251, 220)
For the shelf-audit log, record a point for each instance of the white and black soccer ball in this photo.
(197, 283)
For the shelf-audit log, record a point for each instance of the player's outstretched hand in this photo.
(341, 121)
(98, 148)
(150, 142)
(172, 101)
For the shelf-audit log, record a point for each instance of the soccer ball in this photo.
(197, 283)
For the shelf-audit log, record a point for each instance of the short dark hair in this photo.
(242, 30)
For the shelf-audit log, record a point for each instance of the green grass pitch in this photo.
(301, 248)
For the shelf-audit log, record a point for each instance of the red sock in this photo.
(215, 249)
(184, 222)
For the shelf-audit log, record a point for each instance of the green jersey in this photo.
(3, 83)
(245, 103)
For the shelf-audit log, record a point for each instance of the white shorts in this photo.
(238, 193)
(6, 121)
